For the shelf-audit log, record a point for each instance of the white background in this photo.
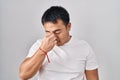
(96, 21)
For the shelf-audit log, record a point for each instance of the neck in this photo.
(69, 37)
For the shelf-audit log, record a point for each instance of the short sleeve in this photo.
(34, 48)
(91, 62)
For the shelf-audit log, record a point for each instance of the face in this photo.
(60, 31)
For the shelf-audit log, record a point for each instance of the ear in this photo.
(69, 26)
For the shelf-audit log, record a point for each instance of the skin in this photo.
(59, 30)
(56, 34)
(92, 74)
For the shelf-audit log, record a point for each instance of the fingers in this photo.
(55, 42)
(47, 35)
(48, 42)
(51, 37)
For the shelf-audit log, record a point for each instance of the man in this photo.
(59, 56)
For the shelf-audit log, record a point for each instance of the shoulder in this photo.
(34, 47)
(39, 40)
(36, 43)
(81, 42)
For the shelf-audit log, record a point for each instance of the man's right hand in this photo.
(48, 42)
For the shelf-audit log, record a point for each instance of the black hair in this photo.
(54, 13)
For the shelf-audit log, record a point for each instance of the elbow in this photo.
(24, 72)
(25, 75)
(22, 76)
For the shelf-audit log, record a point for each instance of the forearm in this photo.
(29, 67)
(93, 78)
(92, 74)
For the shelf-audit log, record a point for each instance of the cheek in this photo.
(62, 37)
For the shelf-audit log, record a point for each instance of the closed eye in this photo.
(47, 31)
(57, 32)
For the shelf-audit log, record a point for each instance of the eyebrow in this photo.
(53, 31)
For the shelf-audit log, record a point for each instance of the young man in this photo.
(59, 56)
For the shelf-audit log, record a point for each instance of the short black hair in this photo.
(54, 13)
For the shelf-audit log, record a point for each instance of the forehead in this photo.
(53, 26)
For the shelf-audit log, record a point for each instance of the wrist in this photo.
(43, 51)
(45, 54)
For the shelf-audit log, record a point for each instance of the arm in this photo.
(92, 74)
(31, 65)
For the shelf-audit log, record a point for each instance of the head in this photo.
(56, 21)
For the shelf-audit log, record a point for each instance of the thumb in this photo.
(55, 42)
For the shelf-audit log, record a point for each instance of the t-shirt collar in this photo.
(69, 42)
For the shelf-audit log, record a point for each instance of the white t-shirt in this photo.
(67, 62)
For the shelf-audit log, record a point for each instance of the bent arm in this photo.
(31, 65)
(92, 74)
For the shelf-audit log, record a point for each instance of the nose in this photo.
(55, 35)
